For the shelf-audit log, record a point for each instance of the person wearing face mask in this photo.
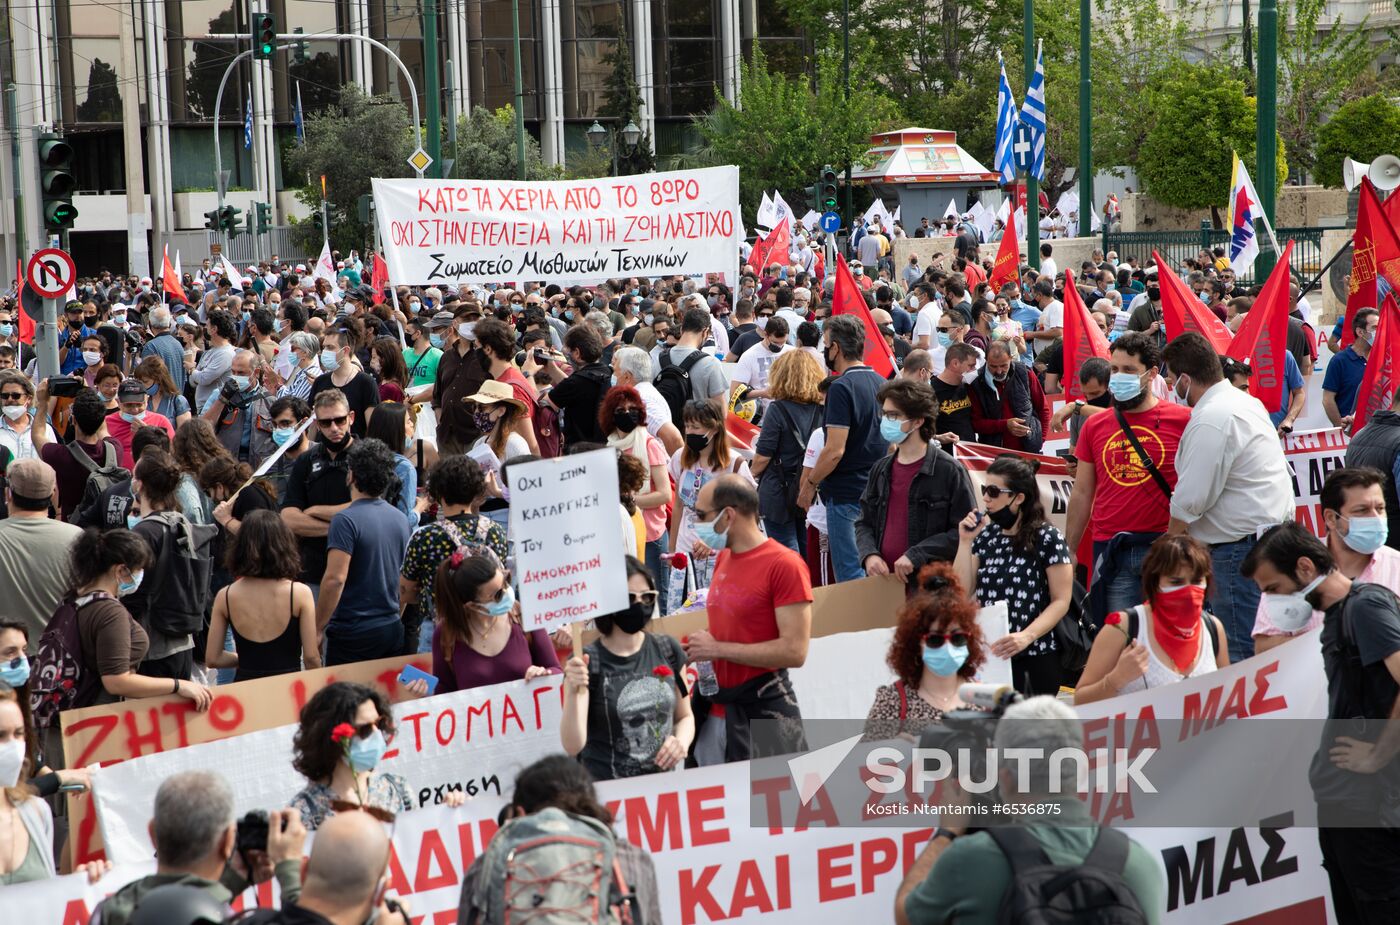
(239, 411)
(937, 647)
(626, 705)
(17, 420)
(625, 418)
(1129, 499)
(1378, 445)
(1008, 404)
(1347, 367)
(1354, 763)
(1354, 512)
(756, 361)
(93, 348)
(746, 332)
(358, 605)
(423, 354)
(1012, 554)
(163, 399)
(1233, 480)
(304, 355)
(1167, 638)
(914, 498)
(341, 373)
(706, 455)
(70, 339)
(462, 369)
(9, 335)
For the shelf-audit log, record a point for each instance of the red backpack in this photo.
(59, 681)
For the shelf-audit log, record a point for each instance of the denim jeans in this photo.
(1236, 598)
(1125, 590)
(841, 535)
(660, 571)
(787, 534)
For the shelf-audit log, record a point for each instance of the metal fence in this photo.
(1177, 246)
(249, 248)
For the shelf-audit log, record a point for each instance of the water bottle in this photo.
(705, 681)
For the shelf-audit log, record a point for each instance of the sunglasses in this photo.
(333, 422)
(935, 640)
(13, 396)
(647, 598)
(992, 491)
(500, 592)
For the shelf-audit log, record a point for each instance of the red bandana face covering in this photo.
(1176, 622)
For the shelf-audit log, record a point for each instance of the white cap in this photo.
(247, 281)
(301, 268)
(146, 279)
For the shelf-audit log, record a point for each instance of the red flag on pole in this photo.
(25, 327)
(1006, 269)
(848, 300)
(1375, 252)
(1378, 383)
(169, 282)
(1083, 339)
(778, 241)
(1182, 311)
(379, 278)
(1262, 340)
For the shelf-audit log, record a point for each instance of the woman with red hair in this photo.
(937, 646)
(623, 417)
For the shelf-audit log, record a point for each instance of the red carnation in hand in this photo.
(662, 671)
(1113, 619)
(678, 560)
(342, 732)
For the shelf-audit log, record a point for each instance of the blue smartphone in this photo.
(412, 673)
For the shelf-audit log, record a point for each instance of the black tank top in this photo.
(276, 656)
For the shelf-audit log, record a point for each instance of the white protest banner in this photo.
(1052, 476)
(450, 232)
(995, 622)
(568, 555)
(474, 741)
(1312, 456)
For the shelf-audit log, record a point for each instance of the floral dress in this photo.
(388, 792)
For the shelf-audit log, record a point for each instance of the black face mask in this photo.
(776, 348)
(75, 323)
(337, 446)
(626, 419)
(1004, 518)
(830, 360)
(1103, 401)
(696, 443)
(633, 618)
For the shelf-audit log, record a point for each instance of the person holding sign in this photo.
(626, 706)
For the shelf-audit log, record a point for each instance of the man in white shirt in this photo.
(632, 369)
(752, 368)
(1048, 267)
(1231, 480)
(1052, 315)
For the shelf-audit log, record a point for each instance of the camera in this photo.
(64, 386)
(251, 835)
(972, 730)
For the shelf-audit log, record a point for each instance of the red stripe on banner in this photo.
(1308, 912)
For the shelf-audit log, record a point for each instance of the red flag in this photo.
(1375, 251)
(1182, 311)
(1382, 367)
(779, 241)
(25, 328)
(1083, 339)
(1262, 340)
(848, 300)
(169, 282)
(1006, 269)
(379, 278)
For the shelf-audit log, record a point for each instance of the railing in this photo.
(1177, 246)
(249, 248)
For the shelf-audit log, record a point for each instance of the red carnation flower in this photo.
(67, 684)
(662, 671)
(342, 732)
(1113, 619)
(678, 560)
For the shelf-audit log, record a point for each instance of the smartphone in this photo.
(64, 386)
(72, 788)
(411, 673)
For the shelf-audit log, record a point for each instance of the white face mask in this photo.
(1291, 612)
(11, 761)
(14, 412)
(466, 330)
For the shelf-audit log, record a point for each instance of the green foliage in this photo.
(623, 104)
(783, 130)
(1363, 130)
(1196, 117)
(485, 148)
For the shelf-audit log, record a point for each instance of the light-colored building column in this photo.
(729, 50)
(456, 24)
(645, 67)
(138, 247)
(36, 104)
(361, 71)
(551, 84)
(162, 206)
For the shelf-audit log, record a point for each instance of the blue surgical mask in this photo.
(945, 340)
(1366, 534)
(129, 587)
(1125, 386)
(242, 382)
(280, 435)
(132, 520)
(365, 754)
(329, 361)
(502, 607)
(435, 340)
(6, 330)
(133, 418)
(945, 660)
(17, 676)
(711, 537)
(893, 431)
(277, 326)
(155, 388)
(613, 381)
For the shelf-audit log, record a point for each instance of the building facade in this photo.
(134, 84)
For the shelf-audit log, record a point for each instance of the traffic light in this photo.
(829, 200)
(56, 182)
(263, 217)
(299, 54)
(318, 223)
(211, 220)
(228, 220)
(264, 36)
(813, 196)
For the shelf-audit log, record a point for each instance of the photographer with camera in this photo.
(1030, 872)
(198, 843)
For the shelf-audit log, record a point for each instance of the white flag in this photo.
(952, 210)
(235, 278)
(781, 209)
(325, 267)
(765, 212)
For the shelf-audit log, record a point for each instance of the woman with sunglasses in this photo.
(626, 707)
(341, 764)
(937, 647)
(1012, 554)
(478, 639)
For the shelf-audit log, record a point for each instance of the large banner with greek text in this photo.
(448, 232)
(1312, 456)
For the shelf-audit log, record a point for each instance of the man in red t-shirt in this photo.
(760, 610)
(1112, 481)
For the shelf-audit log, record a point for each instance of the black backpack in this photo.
(673, 382)
(179, 581)
(100, 478)
(1092, 892)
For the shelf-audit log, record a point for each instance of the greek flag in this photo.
(248, 126)
(1033, 114)
(1006, 128)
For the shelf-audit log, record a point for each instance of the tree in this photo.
(1197, 116)
(485, 148)
(783, 131)
(1319, 68)
(362, 138)
(104, 102)
(623, 104)
(1363, 130)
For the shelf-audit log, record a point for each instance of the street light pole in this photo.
(1032, 185)
(846, 97)
(432, 87)
(1086, 155)
(1266, 111)
(519, 92)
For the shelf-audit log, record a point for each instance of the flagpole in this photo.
(1032, 184)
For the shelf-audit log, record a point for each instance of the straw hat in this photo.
(492, 392)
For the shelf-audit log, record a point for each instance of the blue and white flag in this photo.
(298, 119)
(1033, 114)
(1005, 163)
(248, 125)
